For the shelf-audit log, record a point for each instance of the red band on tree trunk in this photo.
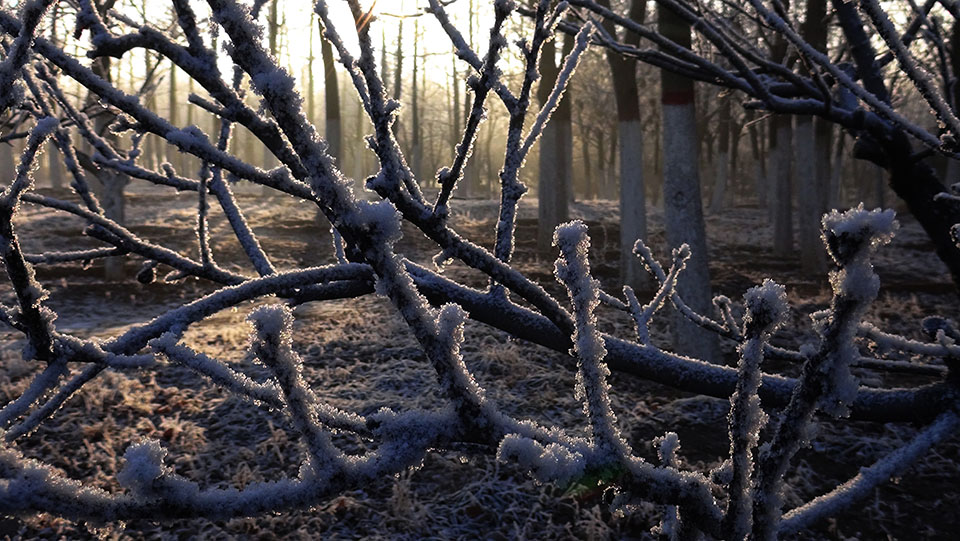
(681, 97)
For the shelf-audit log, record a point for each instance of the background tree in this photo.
(682, 203)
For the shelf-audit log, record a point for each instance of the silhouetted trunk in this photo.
(398, 75)
(917, 184)
(812, 256)
(416, 136)
(556, 156)
(311, 79)
(611, 165)
(173, 155)
(953, 166)
(331, 96)
(273, 28)
(721, 164)
(470, 178)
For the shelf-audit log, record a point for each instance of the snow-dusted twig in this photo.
(573, 269)
(33, 315)
(766, 306)
(19, 53)
(825, 383)
(864, 483)
(556, 94)
(921, 79)
(489, 77)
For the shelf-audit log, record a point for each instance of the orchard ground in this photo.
(360, 356)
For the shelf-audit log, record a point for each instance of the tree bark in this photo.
(781, 203)
(54, 167)
(112, 183)
(683, 208)
(273, 29)
(7, 164)
(721, 174)
(416, 135)
(813, 157)
(556, 156)
(633, 199)
(812, 256)
(331, 96)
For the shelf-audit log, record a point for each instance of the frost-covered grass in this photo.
(357, 357)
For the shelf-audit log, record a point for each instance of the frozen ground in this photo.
(359, 356)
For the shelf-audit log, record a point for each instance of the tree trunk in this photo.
(611, 185)
(781, 203)
(683, 208)
(416, 136)
(813, 156)
(173, 156)
(112, 183)
(311, 80)
(759, 160)
(823, 148)
(736, 185)
(54, 167)
(8, 166)
(556, 160)
(398, 76)
(718, 200)
(470, 169)
(812, 256)
(331, 96)
(836, 199)
(633, 199)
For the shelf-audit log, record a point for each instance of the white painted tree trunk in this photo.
(7, 164)
(770, 186)
(112, 200)
(269, 161)
(835, 199)
(54, 167)
(781, 202)
(633, 204)
(812, 256)
(683, 214)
